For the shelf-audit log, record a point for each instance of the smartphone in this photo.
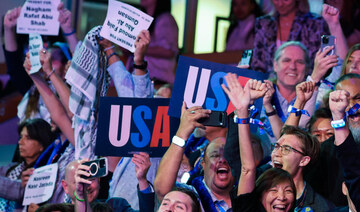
(328, 41)
(216, 119)
(246, 57)
(98, 168)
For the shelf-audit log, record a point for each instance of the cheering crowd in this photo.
(302, 155)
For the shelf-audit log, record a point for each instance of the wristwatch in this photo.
(178, 141)
(142, 66)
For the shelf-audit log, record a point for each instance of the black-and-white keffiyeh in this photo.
(15, 174)
(89, 80)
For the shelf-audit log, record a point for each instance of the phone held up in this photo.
(98, 168)
(216, 119)
(326, 42)
(246, 57)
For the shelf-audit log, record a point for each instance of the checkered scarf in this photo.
(89, 80)
(15, 174)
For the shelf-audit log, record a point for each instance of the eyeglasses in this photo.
(285, 149)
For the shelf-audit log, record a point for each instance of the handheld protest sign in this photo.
(123, 23)
(129, 125)
(39, 16)
(35, 45)
(198, 83)
(41, 184)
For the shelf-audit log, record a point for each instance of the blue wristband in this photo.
(241, 121)
(70, 33)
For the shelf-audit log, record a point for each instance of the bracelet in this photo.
(272, 113)
(241, 121)
(76, 197)
(112, 54)
(49, 75)
(297, 112)
(70, 33)
(111, 47)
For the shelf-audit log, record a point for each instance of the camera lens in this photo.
(93, 169)
(325, 40)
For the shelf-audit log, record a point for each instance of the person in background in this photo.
(241, 33)
(349, 18)
(292, 21)
(319, 124)
(163, 49)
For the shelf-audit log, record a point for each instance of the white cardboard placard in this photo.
(41, 184)
(123, 23)
(39, 16)
(35, 45)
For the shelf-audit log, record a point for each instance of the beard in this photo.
(355, 131)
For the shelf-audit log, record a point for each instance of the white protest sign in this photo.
(41, 184)
(35, 45)
(123, 23)
(39, 16)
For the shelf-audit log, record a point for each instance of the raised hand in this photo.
(141, 45)
(142, 164)
(64, 18)
(330, 14)
(80, 182)
(45, 60)
(11, 17)
(188, 120)
(323, 63)
(269, 93)
(338, 101)
(304, 91)
(257, 90)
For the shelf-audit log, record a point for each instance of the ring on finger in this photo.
(192, 112)
(44, 51)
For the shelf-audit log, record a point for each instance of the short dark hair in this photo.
(194, 197)
(271, 178)
(310, 144)
(319, 113)
(38, 129)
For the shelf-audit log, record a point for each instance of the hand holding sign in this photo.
(11, 17)
(25, 175)
(41, 184)
(123, 22)
(141, 45)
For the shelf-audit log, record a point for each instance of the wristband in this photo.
(338, 123)
(70, 33)
(297, 112)
(49, 75)
(76, 197)
(241, 121)
(142, 66)
(272, 113)
(111, 47)
(112, 54)
(178, 141)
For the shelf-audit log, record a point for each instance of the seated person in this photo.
(35, 137)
